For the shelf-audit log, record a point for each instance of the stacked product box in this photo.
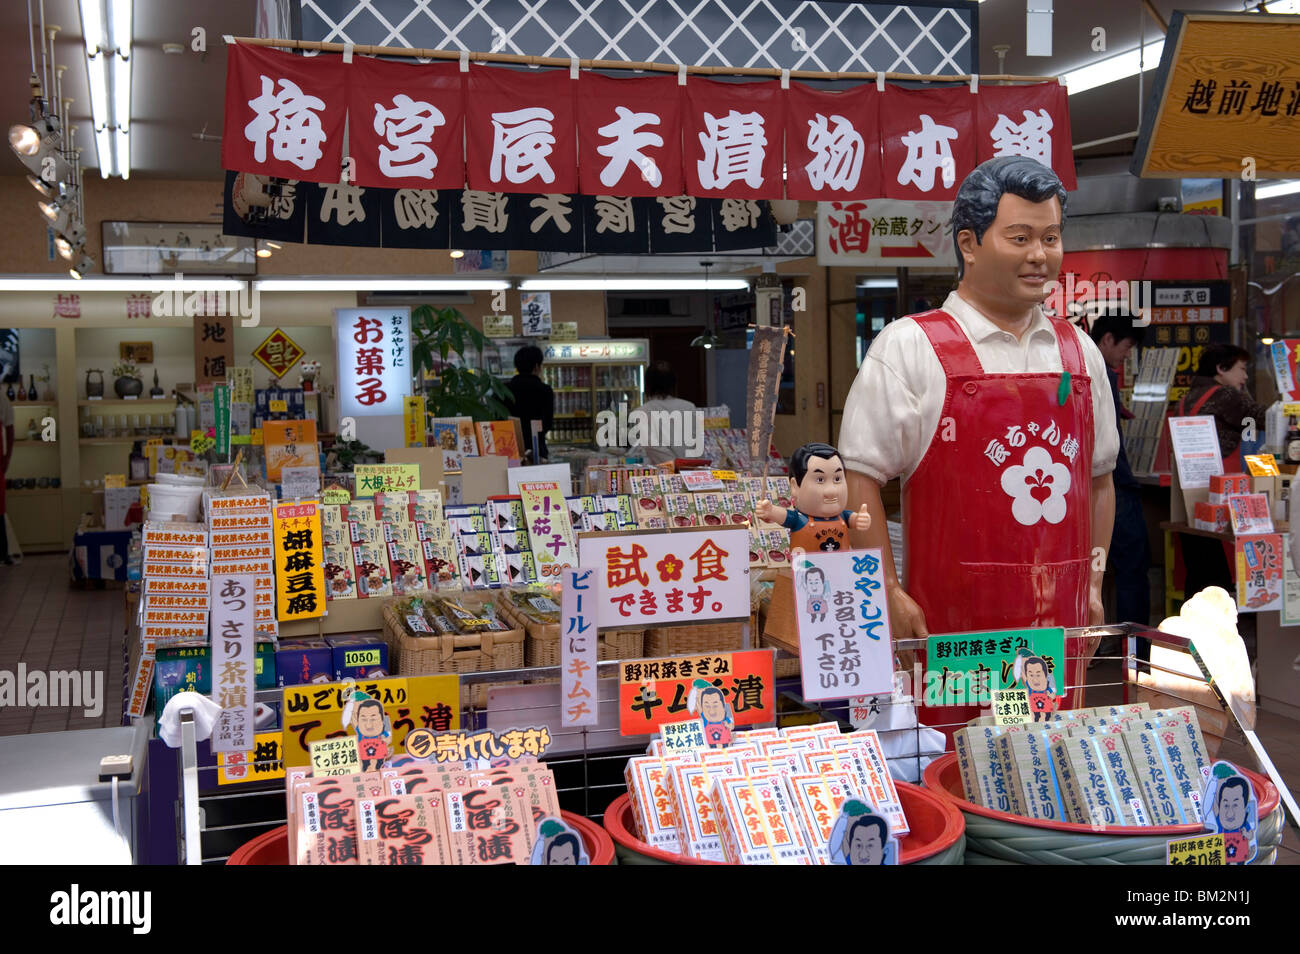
(240, 530)
(175, 600)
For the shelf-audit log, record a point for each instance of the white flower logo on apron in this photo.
(1037, 488)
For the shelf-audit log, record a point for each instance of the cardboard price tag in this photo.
(335, 757)
(1011, 706)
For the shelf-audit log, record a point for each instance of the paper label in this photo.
(369, 823)
(310, 813)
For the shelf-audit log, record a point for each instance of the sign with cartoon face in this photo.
(557, 844)
(861, 836)
(1230, 808)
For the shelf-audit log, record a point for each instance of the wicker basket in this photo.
(431, 655)
(690, 640)
(542, 640)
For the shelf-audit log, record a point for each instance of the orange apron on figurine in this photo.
(997, 522)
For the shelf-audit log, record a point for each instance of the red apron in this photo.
(997, 519)
(1233, 463)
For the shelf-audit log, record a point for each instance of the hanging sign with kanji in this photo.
(578, 639)
(278, 353)
(737, 687)
(214, 349)
(886, 232)
(299, 562)
(545, 133)
(374, 360)
(313, 712)
(658, 578)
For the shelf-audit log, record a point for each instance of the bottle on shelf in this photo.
(1292, 441)
(31, 388)
(10, 393)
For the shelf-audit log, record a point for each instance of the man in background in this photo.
(661, 395)
(532, 399)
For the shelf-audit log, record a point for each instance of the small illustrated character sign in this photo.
(816, 592)
(862, 837)
(710, 703)
(365, 715)
(557, 844)
(818, 520)
(1232, 810)
(1034, 676)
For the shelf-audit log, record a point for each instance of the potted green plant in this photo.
(128, 383)
(456, 391)
(345, 455)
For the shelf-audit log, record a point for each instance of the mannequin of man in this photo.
(1001, 423)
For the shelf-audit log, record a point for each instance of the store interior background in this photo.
(176, 176)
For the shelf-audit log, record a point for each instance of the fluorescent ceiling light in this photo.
(106, 32)
(1274, 189)
(380, 284)
(878, 283)
(37, 283)
(633, 283)
(1114, 68)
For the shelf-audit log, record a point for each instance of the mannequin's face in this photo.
(822, 492)
(1008, 270)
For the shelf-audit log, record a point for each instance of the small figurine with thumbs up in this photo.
(818, 520)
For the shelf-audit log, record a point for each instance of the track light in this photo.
(48, 189)
(69, 242)
(85, 264)
(24, 139)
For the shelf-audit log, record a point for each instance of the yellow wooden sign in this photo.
(725, 474)
(1226, 102)
(314, 712)
(261, 764)
(299, 562)
(1201, 850)
(413, 420)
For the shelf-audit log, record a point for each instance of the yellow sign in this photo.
(413, 420)
(1223, 107)
(114, 481)
(386, 477)
(1291, 410)
(299, 562)
(335, 756)
(279, 407)
(200, 443)
(1011, 706)
(499, 326)
(564, 331)
(262, 763)
(336, 495)
(278, 353)
(1262, 465)
(1202, 850)
(314, 712)
(725, 474)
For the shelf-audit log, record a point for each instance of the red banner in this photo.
(284, 114)
(522, 131)
(411, 126)
(1027, 121)
(929, 141)
(831, 143)
(630, 137)
(407, 126)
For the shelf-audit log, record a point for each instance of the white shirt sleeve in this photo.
(1105, 447)
(884, 433)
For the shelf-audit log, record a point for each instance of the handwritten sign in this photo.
(1011, 706)
(535, 314)
(964, 668)
(386, 478)
(1205, 850)
(663, 577)
(845, 647)
(549, 529)
(653, 692)
(1196, 450)
(335, 756)
(313, 712)
(1259, 572)
(683, 737)
(413, 419)
(578, 638)
(233, 673)
(299, 562)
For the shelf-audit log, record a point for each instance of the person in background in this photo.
(661, 391)
(533, 399)
(1130, 548)
(6, 452)
(1218, 390)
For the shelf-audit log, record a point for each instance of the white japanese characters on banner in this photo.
(658, 577)
(374, 360)
(233, 675)
(578, 639)
(889, 232)
(845, 647)
(535, 314)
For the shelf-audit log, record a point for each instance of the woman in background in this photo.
(661, 391)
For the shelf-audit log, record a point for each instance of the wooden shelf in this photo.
(34, 403)
(109, 440)
(35, 443)
(152, 402)
(38, 492)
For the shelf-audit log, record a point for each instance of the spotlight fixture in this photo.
(69, 242)
(48, 189)
(83, 267)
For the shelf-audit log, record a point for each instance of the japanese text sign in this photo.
(964, 668)
(413, 420)
(386, 478)
(261, 763)
(683, 737)
(1011, 706)
(845, 647)
(888, 232)
(278, 353)
(578, 639)
(299, 562)
(535, 314)
(335, 756)
(656, 691)
(660, 577)
(374, 348)
(214, 349)
(549, 528)
(1204, 850)
(475, 748)
(1259, 572)
(233, 673)
(313, 712)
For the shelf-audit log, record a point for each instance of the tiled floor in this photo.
(49, 625)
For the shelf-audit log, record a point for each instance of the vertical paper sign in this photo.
(578, 647)
(1260, 574)
(374, 360)
(535, 314)
(299, 562)
(766, 358)
(413, 420)
(1196, 450)
(214, 349)
(845, 647)
(221, 408)
(1291, 586)
(233, 672)
(549, 529)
